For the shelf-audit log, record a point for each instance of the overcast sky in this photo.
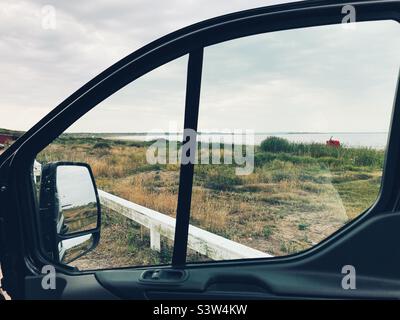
(300, 80)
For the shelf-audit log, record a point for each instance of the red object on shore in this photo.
(333, 143)
(6, 139)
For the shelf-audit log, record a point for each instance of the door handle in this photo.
(164, 276)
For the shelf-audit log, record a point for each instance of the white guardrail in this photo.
(199, 240)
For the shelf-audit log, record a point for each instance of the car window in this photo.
(123, 140)
(292, 132)
(293, 127)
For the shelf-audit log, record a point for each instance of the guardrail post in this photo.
(155, 240)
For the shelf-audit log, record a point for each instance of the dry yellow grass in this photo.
(274, 209)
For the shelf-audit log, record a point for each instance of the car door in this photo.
(299, 249)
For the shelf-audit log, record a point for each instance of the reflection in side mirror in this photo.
(77, 200)
(71, 249)
(69, 211)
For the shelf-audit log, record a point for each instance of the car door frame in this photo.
(21, 249)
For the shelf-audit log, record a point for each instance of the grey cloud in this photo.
(40, 68)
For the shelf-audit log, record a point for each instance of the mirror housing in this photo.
(69, 210)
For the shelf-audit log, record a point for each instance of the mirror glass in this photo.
(77, 200)
(73, 248)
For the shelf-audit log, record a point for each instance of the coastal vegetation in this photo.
(297, 195)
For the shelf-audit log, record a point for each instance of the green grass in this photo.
(274, 148)
(358, 194)
(217, 177)
(267, 232)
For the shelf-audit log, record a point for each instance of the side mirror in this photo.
(70, 212)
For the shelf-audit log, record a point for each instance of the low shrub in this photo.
(223, 178)
(101, 145)
(275, 144)
(267, 232)
(260, 158)
(368, 158)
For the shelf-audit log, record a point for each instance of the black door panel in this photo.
(79, 287)
(314, 275)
